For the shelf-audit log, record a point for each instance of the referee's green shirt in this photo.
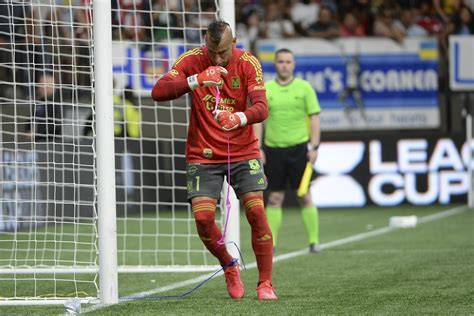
(289, 107)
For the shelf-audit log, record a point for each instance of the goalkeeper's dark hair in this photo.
(216, 29)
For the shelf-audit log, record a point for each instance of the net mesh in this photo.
(48, 193)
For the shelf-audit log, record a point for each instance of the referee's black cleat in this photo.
(313, 248)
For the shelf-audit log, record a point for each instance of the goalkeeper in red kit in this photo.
(238, 76)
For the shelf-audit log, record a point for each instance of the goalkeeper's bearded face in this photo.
(221, 52)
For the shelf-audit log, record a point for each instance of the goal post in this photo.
(461, 80)
(227, 13)
(92, 171)
(105, 152)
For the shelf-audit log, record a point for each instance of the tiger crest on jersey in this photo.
(235, 82)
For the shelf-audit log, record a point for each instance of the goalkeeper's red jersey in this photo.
(207, 142)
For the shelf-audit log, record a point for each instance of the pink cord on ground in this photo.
(227, 202)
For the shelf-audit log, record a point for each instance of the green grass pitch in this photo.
(425, 270)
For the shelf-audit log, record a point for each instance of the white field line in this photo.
(331, 244)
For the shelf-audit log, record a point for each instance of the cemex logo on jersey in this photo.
(225, 104)
(391, 172)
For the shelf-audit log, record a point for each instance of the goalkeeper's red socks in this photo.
(262, 242)
(203, 211)
(204, 216)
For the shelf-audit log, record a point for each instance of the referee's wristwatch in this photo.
(315, 147)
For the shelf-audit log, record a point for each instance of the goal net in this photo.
(48, 155)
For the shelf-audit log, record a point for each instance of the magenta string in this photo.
(227, 202)
(218, 93)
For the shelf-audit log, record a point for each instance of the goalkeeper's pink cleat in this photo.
(235, 287)
(265, 291)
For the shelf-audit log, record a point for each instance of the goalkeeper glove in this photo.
(229, 121)
(209, 77)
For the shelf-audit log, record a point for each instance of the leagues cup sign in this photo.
(390, 172)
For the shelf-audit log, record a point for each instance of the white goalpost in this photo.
(461, 81)
(105, 152)
(92, 171)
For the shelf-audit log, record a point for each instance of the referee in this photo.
(292, 136)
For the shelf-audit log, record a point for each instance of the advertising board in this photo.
(391, 171)
(396, 84)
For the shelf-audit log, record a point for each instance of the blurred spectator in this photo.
(304, 13)
(447, 9)
(331, 4)
(462, 23)
(14, 22)
(377, 5)
(276, 24)
(47, 112)
(470, 4)
(190, 21)
(127, 126)
(83, 19)
(40, 52)
(64, 16)
(82, 46)
(164, 20)
(133, 19)
(361, 10)
(43, 42)
(59, 49)
(344, 6)
(384, 24)
(365, 16)
(127, 117)
(250, 30)
(407, 26)
(350, 26)
(248, 6)
(326, 27)
(206, 16)
(427, 20)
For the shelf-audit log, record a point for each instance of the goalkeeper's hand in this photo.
(229, 121)
(209, 77)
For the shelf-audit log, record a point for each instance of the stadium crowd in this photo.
(34, 30)
(330, 19)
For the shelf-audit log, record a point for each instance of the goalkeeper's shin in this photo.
(208, 231)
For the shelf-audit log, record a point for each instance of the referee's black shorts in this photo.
(285, 165)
